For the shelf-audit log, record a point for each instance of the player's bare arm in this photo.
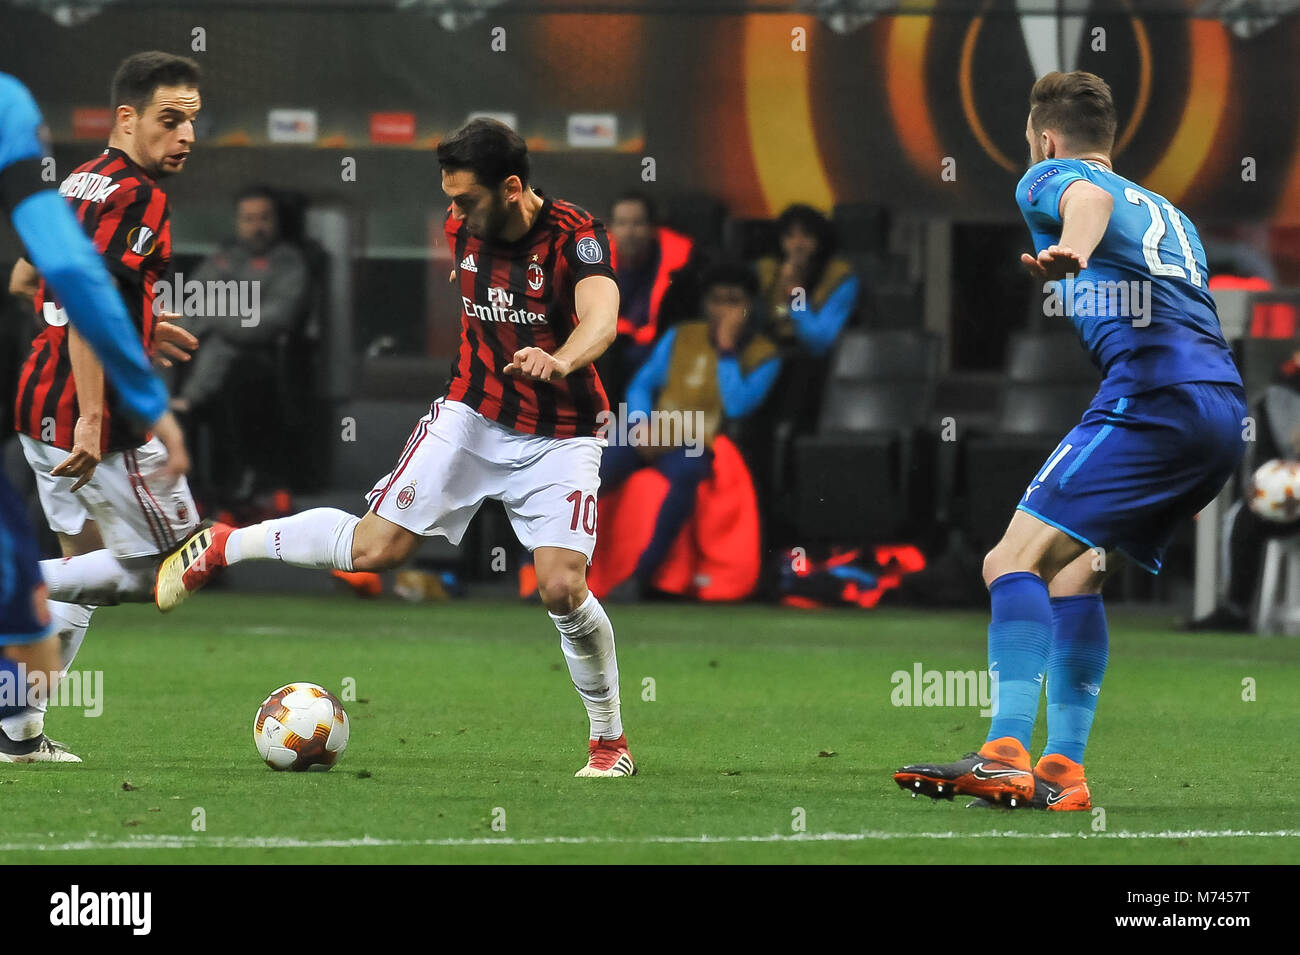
(595, 300)
(89, 376)
(24, 280)
(1085, 213)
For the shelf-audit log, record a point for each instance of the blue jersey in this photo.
(66, 258)
(1142, 307)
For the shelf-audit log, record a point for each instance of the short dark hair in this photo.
(140, 74)
(729, 273)
(257, 191)
(811, 221)
(489, 149)
(1077, 105)
(632, 195)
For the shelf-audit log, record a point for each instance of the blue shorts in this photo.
(23, 614)
(1135, 468)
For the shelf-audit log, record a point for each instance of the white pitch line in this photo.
(258, 842)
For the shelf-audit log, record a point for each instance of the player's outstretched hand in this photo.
(1054, 263)
(83, 460)
(171, 341)
(536, 365)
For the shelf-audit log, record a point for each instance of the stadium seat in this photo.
(1050, 358)
(995, 468)
(372, 440)
(859, 407)
(862, 226)
(1258, 360)
(867, 429)
(1043, 409)
(750, 239)
(895, 304)
(699, 215)
(894, 355)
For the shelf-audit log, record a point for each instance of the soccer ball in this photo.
(1276, 493)
(301, 726)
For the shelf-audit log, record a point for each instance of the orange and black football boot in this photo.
(1059, 786)
(998, 773)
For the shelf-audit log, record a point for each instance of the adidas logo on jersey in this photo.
(468, 263)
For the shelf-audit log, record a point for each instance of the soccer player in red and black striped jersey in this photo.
(72, 425)
(519, 422)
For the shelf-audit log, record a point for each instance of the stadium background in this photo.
(863, 121)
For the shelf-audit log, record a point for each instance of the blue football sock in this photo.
(1020, 637)
(1080, 648)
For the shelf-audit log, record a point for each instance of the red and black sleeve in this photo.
(587, 251)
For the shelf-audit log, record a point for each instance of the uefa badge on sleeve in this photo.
(589, 250)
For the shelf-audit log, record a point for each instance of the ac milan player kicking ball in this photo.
(518, 423)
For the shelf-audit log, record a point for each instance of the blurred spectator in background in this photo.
(810, 295)
(1277, 437)
(809, 291)
(234, 388)
(645, 254)
(712, 371)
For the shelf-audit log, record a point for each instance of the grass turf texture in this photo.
(465, 707)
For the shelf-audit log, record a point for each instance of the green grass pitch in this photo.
(761, 717)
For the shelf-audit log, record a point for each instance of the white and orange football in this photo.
(1275, 495)
(301, 727)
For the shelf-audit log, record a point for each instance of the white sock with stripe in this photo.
(587, 639)
(320, 538)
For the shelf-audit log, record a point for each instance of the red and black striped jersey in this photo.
(125, 214)
(517, 294)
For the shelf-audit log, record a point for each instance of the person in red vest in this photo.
(644, 254)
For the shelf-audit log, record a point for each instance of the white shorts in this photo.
(139, 511)
(456, 459)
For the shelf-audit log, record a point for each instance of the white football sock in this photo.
(587, 639)
(100, 579)
(27, 723)
(70, 623)
(319, 538)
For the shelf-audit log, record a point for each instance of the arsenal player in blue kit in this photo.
(519, 422)
(1159, 441)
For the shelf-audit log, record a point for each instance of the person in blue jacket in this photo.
(701, 375)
